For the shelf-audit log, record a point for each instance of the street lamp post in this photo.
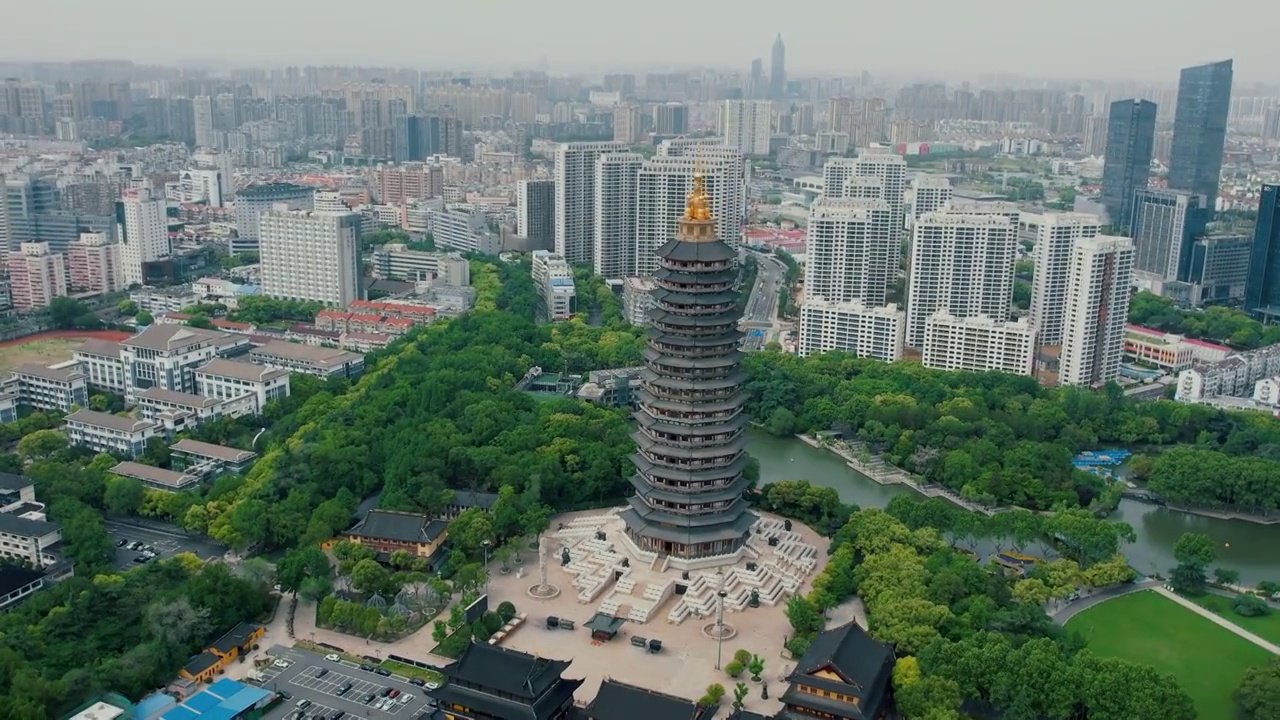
(486, 545)
(720, 627)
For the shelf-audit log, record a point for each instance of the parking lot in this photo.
(303, 680)
(163, 543)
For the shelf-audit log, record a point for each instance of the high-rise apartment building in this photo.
(1095, 135)
(778, 70)
(853, 327)
(851, 251)
(143, 232)
(961, 265)
(254, 200)
(575, 196)
(1097, 309)
(93, 264)
(671, 119)
(36, 276)
(310, 256)
(663, 187)
(1056, 235)
(202, 116)
(626, 124)
(1271, 124)
(891, 168)
(536, 212)
(397, 184)
(747, 125)
(617, 186)
(1262, 291)
(1165, 224)
(1131, 137)
(978, 344)
(931, 194)
(1200, 129)
(836, 172)
(377, 104)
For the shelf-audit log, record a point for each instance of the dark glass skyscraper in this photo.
(690, 448)
(1131, 138)
(1262, 291)
(1200, 129)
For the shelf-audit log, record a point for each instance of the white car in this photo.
(431, 685)
(333, 657)
(405, 699)
(281, 663)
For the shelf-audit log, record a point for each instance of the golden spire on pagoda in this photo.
(697, 224)
(699, 205)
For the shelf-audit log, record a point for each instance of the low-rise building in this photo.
(100, 361)
(620, 701)
(61, 387)
(158, 300)
(1169, 352)
(844, 674)
(25, 532)
(8, 407)
(207, 459)
(490, 681)
(1235, 376)
(386, 531)
(873, 332)
(362, 342)
(553, 279)
(397, 262)
(166, 356)
(226, 380)
(16, 583)
(156, 478)
(235, 643)
(324, 363)
(104, 432)
(178, 411)
(978, 344)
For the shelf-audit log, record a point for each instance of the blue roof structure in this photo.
(153, 705)
(223, 700)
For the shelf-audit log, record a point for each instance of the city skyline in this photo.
(522, 37)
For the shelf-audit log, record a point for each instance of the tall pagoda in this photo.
(690, 454)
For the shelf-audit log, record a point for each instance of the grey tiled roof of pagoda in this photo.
(651, 400)
(722, 276)
(682, 251)
(728, 319)
(738, 527)
(728, 340)
(728, 492)
(648, 467)
(717, 297)
(734, 380)
(649, 422)
(644, 442)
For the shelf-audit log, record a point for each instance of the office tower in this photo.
(536, 212)
(397, 184)
(414, 141)
(36, 276)
(852, 253)
(1271, 124)
(93, 264)
(670, 119)
(310, 256)
(1219, 268)
(1056, 235)
(978, 344)
(254, 200)
(1262, 291)
(143, 232)
(691, 397)
(931, 193)
(1095, 135)
(626, 124)
(961, 265)
(853, 327)
(1165, 224)
(778, 70)
(756, 87)
(1131, 137)
(202, 117)
(617, 178)
(1200, 129)
(747, 125)
(202, 185)
(575, 175)
(663, 188)
(1097, 309)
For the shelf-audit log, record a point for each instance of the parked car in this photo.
(406, 698)
(431, 685)
(281, 663)
(121, 542)
(392, 692)
(366, 667)
(285, 695)
(417, 681)
(383, 672)
(332, 657)
(346, 688)
(322, 672)
(385, 691)
(303, 703)
(369, 698)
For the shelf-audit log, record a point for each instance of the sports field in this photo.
(1144, 627)
(51, 347)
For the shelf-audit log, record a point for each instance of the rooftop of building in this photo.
(109, 421)
(210, 450)
(155, 475)
(619, 701)
(180, 399)
(223, 700)
(171, 338)
(240, 370)
(14, 483)
(55, 374)
(236, 637)
(102, 348)
(25, 527)
(14, 578)
(398, 526)
(323, 356)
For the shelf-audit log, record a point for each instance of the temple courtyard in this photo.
(607, 575)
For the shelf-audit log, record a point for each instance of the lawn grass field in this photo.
(1207, 660)
(1266, 627)
(45, 351)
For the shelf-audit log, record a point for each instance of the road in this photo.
(1071, 609)
(762, 306)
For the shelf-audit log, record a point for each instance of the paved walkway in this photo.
(1220, 621)
(1071, 609)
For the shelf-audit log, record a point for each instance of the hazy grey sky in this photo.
(1139, 39)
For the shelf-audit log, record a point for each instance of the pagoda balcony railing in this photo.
(693, 287)
(674, 373)
(689, 488)
(703, 265)
(703, 331)
(690, 395)
(688, 510)
(687, 463)
(695, 310)
(695, 351)
(692, 418)
(691, 441)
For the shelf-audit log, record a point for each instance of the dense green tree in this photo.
(123, 496)
(68, 313)
(300, 564)
(42, 444)
(1258, 697)
(1195, 552)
